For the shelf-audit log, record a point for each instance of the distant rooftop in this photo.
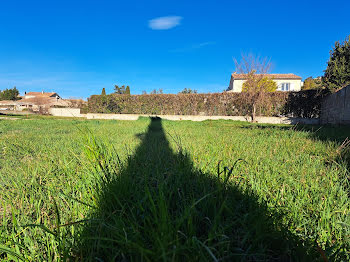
(42, 94)
(273, 76)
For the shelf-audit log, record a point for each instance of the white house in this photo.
(285, 82)
(35, 101)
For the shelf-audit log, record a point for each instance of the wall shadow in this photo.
(160, 207)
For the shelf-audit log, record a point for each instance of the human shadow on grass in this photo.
(158, 206)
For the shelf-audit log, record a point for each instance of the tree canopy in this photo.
(122, 90)
(257, 83)
(156, 92)
(337, 74)
(188, 91)
(312, 83)
(9, 94)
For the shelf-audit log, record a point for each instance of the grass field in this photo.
(151, 190)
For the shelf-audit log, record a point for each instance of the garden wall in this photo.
(305, 104)
(66, 112)
(336, 107)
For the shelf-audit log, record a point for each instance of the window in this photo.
(285, 86)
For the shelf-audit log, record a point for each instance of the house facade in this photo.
(285, 82)
(36, 102)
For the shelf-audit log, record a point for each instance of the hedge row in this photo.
(297, 104)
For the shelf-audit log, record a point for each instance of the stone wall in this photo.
(75, 112)
(66, 112)
(335, 108)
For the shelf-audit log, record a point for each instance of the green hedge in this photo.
(296, 104)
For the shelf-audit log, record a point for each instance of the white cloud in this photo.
(165, 22)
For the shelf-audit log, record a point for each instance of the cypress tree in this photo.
(337, 74)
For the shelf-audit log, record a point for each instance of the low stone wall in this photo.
(65, 112)
(15, 112)
(267, 120)
(75, 112)
(335, 108)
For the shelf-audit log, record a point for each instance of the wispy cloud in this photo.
(165, 22)
(192, 47)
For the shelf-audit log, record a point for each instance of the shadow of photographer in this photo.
(158, 206)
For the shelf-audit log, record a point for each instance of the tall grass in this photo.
(154, 191)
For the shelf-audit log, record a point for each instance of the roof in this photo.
(41, 94)
(39, 100)
(43, 100)
(273, 76)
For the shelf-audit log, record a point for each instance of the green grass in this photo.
(78, 190)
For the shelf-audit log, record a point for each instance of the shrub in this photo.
(297, 104)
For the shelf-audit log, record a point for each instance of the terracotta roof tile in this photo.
(273, 76)
(40, 94)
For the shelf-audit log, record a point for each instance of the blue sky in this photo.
(78, 47)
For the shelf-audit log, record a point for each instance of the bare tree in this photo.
(254, 70)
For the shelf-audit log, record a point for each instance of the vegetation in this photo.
(257, 83)
(337, 74)
(155, 91)
(122, 90)
(188, 91)
(9, 94)
(312, 83)
(298, 104)
(155, 190)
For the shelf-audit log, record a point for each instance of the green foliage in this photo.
(257, 84)
(121, 90)
(188, 91)
(137, 191)
(103, 93)
(337, 74)
(155, 91)
(298, 104)
(309, 83)
(9, 94)
(312, 83)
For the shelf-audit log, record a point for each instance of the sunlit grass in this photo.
(49, 186)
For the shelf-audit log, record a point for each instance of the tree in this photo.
(337, 74)
(309, 83)
(103, 93)
(122, 90)
(312, 83)
(9, 94)
(257, 82)
(155, 92)
(188, 91)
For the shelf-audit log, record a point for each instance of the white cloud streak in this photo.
(165, 22)
(193, 47)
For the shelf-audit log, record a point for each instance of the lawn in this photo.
(150, 190)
